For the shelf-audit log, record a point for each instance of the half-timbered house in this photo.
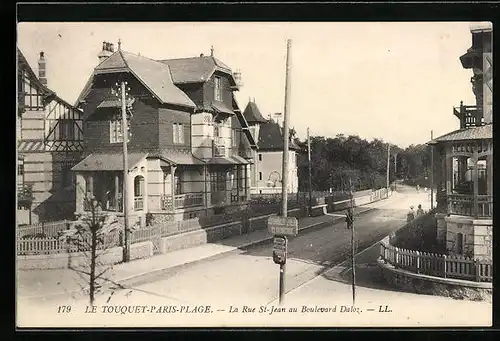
(188, 146)
(50, 141)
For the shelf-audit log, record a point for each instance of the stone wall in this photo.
(476, 236)
(428, 285)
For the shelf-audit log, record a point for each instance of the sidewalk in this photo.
(37, 284)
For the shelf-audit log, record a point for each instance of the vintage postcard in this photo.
(254, 174)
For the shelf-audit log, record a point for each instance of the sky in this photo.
(392, 81)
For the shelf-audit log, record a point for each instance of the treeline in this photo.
(337, 160)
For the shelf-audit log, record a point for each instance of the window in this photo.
(218, 90)
(177, 184)
(218, 181)
(260, 158)
(260, 175)
(115, 131)
(66, 130)
(235, 137)
(20, 169)
(178, 133)
(216, 130)
(138, 186)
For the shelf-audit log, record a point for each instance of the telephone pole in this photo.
(353, 248)
(388, 164)
(395, 168)
(310, 169)
(432, 173)
(126, 249)
(284, 178)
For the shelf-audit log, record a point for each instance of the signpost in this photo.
(283, 226)
(279, 249)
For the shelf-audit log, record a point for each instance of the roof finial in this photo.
(254, 99)
(119, 44)
(212, 50)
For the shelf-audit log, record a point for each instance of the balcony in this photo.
(138, 203)
(463, 204)
(218, 147)
(469, 115)
(181, 201)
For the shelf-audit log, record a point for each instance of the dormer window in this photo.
(218, 89)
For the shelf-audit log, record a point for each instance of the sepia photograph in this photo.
(254, 174)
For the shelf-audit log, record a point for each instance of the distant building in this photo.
(464, 161)
(189, 147)
(266, 170)
(49, 142)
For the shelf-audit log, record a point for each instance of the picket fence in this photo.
(54, 245)
(438, 265)
(49, 229)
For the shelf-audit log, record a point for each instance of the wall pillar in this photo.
(449, 179)
(172, 184)
(475, 174)
(247, 187)
(80, 193)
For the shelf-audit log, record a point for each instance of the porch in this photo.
(464, 172)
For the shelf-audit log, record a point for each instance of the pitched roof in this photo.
(252, 114)
(155, 76)
(474, 133)
(33, 77)
(271, 137)
(196, 69)
(107, 162)
(176, 158)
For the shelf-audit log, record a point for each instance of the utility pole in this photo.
(126, 249)
(395, 168)
(432, 173)
(284, 191)
(388, 164)
(310, 170)
(353, 248)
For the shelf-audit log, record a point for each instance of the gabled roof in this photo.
(196, 69)
(271, 137)
(474, 133)
(155, 76)
(252, 114)
(33, 77)
(22, 61)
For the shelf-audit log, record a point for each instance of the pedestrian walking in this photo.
(411, 215)
(418, 188)
(420, 211)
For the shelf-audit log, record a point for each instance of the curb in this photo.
(265, 240)
(241, 247)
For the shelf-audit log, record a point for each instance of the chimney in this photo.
(42, 75)
(107, 50)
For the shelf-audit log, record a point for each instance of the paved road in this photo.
(252, 273)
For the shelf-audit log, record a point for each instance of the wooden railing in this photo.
(181, 201)
(463, 204)
(469, 115)
(438, 265)
(49, 229)
(138, 203)
(218, 147)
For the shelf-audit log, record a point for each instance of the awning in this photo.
(113, 103)
(222, 108)
(228, 160)
(179, 159)
(467, 134)
(108, 162)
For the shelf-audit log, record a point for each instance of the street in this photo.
(248, 277)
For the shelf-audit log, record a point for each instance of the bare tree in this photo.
(93, 234)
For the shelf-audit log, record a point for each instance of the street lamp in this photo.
(122, 91)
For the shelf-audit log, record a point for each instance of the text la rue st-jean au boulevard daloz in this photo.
(207, 309)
